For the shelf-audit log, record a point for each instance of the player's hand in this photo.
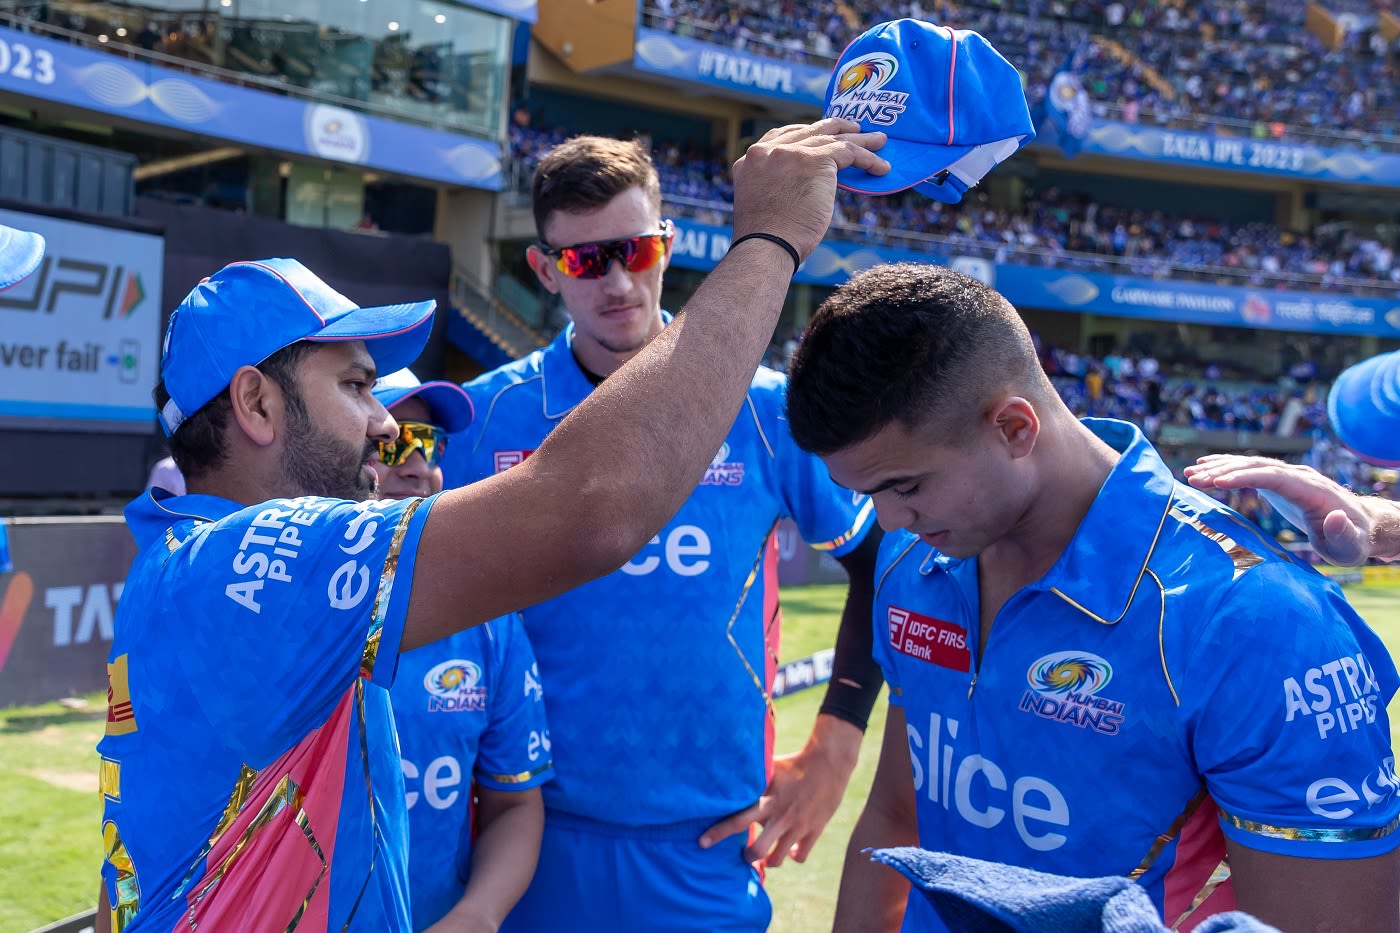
(1338, 525)
(460, 921)
(785, 184)
(804, 792)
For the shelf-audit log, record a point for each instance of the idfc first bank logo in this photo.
(860, 93)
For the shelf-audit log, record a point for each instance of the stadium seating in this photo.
(1053, 226)
(1171, 63)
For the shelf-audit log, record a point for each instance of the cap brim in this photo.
(1364, 408)
(20, 254)
(911, 164)
(394, 334)
(450, 405)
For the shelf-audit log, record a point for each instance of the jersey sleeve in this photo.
(828, 517)
(309, 595)
(1286, 704)
(515, 749)
(892, 547)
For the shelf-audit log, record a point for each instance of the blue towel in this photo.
(987, 897)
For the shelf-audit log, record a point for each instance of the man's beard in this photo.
(319, 464)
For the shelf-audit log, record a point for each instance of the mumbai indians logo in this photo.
(723, 471)
(1064, 687)
(859, 93)
(452, 687)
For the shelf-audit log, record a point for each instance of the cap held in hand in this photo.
(952, 107)
(1364, 408)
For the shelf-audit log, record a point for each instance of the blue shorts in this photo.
(629, 879)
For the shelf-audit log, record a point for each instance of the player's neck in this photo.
(599, 361)
(1073, 466)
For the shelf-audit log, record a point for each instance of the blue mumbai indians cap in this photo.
(1364, 408)
(951, 106)
(449, 405)
(247, 311)
(20, 254)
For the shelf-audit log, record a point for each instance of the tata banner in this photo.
(666, 53)
(1266, 156)
(699, 246)
(80, 338)
(57, 605)
(34, 66)
(1193, 302)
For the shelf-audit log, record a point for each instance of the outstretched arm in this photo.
(625, 460)
(1344, 528)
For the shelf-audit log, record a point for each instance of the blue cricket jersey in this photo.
(690, 623)
(1174, 679)
(249, 771)
(469, 708)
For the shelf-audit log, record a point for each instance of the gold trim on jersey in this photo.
(1240, 556)
(386, 587)
(522, 777)
(1307, 834)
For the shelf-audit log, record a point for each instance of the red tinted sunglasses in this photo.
(591, 260)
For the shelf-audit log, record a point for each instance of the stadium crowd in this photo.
(1170, 63)
(1051, 227)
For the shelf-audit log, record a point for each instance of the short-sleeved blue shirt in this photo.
(468, 708)
(691, 619)
(249, 770)
(1174, 679)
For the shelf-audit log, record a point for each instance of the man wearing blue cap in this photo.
(469, 711)
(658, 675)
(249, 772)
(1094, 670)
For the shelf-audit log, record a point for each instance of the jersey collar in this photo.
(1106, 560)
(564, 381)
(154, 512)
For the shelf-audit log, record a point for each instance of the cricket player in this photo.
(249, 771)
(1094, 670)
(469, 710)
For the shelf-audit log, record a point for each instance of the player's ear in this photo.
(1018, 424)
(543, 267)
(257, 404)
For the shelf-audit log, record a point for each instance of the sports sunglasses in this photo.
(591, 260)
(414, 435)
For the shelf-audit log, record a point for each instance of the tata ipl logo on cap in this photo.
(860, 95)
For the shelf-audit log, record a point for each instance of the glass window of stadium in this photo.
(428, 62)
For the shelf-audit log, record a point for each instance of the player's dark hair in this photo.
(587, 172)
(907, 343)
(197, 445)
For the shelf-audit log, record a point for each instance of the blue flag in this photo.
(1064, 118)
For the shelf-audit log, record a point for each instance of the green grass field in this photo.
(50, 846)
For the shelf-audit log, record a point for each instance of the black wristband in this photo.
(772, 238)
